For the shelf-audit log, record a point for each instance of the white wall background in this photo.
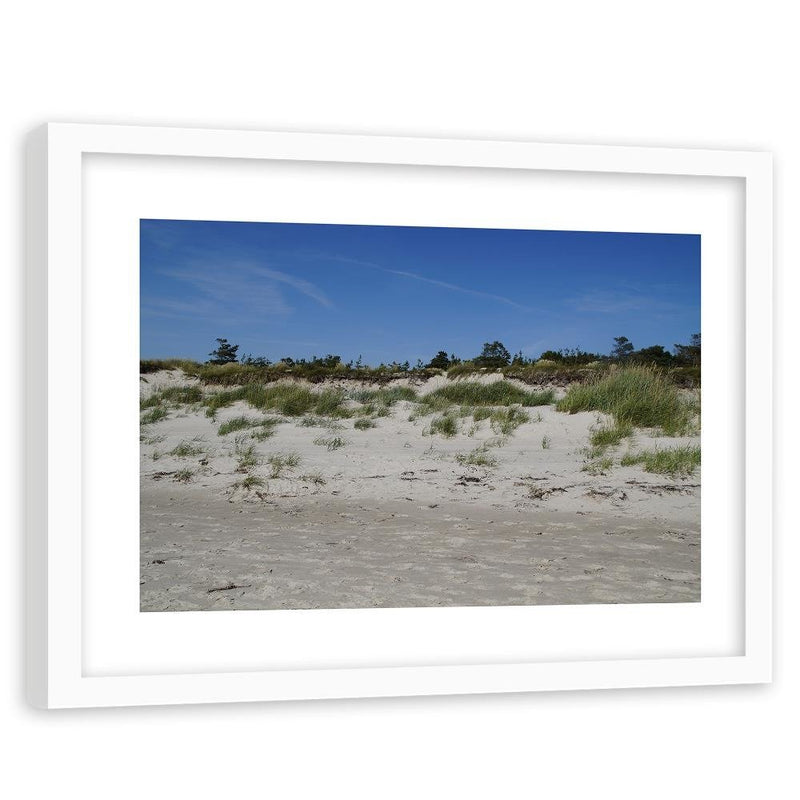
(692, 74)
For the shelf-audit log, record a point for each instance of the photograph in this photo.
(352, 416)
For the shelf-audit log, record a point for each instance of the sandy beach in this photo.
(395, 516)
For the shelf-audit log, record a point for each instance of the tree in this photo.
(519, 360)
(653, 355)
(224, 354)
(494, 354)
(439, 361)
(689, 354)
(255, 361)
(623, 348)
(551, 355)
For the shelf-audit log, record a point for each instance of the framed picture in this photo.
(324, 416)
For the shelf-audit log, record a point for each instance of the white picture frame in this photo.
(60, 597)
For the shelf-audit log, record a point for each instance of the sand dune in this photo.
(393, 518)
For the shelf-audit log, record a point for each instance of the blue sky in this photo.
(402, 293)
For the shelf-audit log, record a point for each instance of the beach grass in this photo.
(677, 462)
(505, 421)
(153, 415)
(446, 426)
(498, 393)
(282, 461)
(479, 457)
(637, 396)
(186, 450)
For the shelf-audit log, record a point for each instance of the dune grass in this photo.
(677, 462)
(186, 450)
(155, 364)
(386, 397)
(446, 426)
(282, 461)
(635, 396)
(291, 400)
(505, 421)
(479, 457)
(266, 426)
(153, 415)
(249, 482)
(246, 455)
(183, 476)
(611, 436)
(498, 393)
(364, 423)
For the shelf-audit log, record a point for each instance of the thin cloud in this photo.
(606, 302)
(305, 287)
(239, 289)
(442, 284)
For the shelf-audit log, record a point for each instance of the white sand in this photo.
(399, 522)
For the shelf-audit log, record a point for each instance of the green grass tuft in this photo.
(186, 450)
(678, 462)
(364, 424)
(445, 426)
(498, 393)
(153, 415)
(639, 396)
(611, 436)
(479, 457)
(282, 461)
(386, 397)
(246, 455)
(505, 421)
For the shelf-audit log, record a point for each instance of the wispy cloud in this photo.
(441, 284)
(305, 287)
(609, 302)
(238, 290)
(602, 301)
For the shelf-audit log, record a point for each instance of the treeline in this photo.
(224, 365)
(494, 355)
